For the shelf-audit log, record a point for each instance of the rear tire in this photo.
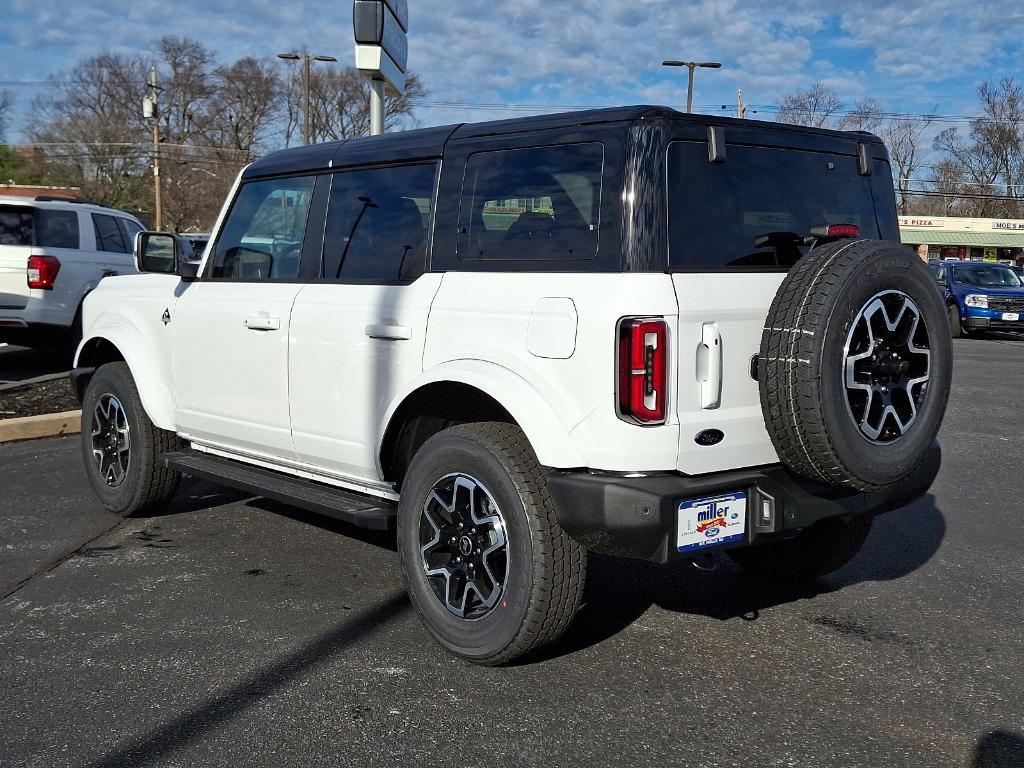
(121, 446)
(824, 547)
(489, 570)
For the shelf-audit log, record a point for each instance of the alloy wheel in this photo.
(111, 440)
(463, 546)
(887, 361)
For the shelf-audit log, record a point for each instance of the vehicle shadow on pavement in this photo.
(620, 590)
(194, 495)
(999, 749)
(382, 539)
(197, 723)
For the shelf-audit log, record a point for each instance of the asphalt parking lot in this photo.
(232, 631)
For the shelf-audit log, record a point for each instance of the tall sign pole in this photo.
(382, 50)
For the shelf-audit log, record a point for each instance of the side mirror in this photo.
(164, 253)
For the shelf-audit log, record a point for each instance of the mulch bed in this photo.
(35, 399)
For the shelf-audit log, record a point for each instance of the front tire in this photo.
(121, 446)
(489, 570)
(824, 547)
(956, 329)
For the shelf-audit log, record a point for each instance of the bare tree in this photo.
(989, 161)
(340, 103)
(814, 107)
(6, 103)
(902, 135)
(86, 129)
(867, 115)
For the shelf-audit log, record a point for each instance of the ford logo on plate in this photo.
(709, 437)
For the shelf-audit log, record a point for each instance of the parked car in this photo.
(980, 296)
(630, 331)
(53, 252)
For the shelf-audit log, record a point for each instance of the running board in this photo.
(348, 506)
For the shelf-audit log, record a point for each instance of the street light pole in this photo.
(306, 59)
(691, 65)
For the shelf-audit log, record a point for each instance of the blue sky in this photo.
(913, 57)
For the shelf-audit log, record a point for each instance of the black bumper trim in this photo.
(636, 516)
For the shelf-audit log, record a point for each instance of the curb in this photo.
(47, 425)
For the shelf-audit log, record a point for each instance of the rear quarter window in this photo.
(532, 204)
(717, 210)
(15, 225)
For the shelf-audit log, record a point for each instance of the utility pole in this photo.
(691, 65)
(157, 213)
(741, 108)
(306, 59)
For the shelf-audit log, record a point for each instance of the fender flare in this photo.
(540, 422)
(154, 392)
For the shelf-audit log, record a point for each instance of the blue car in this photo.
(980, 295)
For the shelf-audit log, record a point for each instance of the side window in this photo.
(130, 230)
(262, 236)
(535, 204)
(109, 236)
(56, 229)
(377, 223)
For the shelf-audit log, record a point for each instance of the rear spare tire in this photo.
(855, 364)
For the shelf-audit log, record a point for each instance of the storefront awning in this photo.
(922, 236)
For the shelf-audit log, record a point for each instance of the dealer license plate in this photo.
(1011, 315)
(711, 521)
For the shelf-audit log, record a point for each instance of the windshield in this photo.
(987, 276)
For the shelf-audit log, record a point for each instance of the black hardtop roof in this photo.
(422, 143)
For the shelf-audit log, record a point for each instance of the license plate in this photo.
(711, 521)
(1011, 315)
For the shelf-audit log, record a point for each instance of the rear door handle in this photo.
(709, 367)
(389, 331)
(262, 321)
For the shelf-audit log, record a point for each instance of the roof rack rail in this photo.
(79, 200)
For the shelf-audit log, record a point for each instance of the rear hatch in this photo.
(16, 237)
(725, 284)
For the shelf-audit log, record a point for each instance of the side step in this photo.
(355, 508)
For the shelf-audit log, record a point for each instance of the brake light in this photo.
(835, 230)
(643, 370)
(42, 271)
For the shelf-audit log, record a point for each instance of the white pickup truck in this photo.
(630, 331)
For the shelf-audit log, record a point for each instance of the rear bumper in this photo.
(25, 334)
(638, 516)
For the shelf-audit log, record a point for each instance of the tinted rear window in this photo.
(15, 226)
(22, 225)
(716, 210)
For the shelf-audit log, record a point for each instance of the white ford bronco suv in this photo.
(630, 331)
(53, 252)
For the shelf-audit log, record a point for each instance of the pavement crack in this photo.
(42, 570)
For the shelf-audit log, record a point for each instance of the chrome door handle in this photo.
(389, 331)
(262, 321)
(710, 373)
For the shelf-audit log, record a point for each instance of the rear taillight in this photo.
(643, 370)
(42, 271)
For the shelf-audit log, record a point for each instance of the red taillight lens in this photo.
(643, 370)
(843, 230)
(42, 271)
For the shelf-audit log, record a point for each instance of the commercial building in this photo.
(950, 237)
